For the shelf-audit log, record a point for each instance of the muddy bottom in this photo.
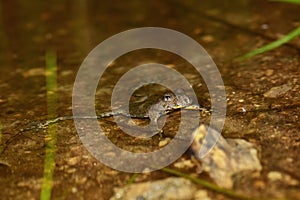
(262, 93)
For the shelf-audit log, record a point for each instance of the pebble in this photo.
(73, 161)
(184, 164)
(67, 72)
(201, 195)
(71, 170)
(34, 72)
(286, 178)
(81, 180)
(274, 176)
(208, 38)
(164, 142)
(241, 109)
(74, 190)
(269, 72)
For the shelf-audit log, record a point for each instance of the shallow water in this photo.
(225, 29)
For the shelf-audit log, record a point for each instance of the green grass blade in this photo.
(288, 1)
(132, 178)
(49, 163)
(273, 45)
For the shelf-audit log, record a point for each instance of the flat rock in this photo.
(277, 91)
(167, 189)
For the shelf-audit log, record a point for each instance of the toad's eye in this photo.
(167, 97)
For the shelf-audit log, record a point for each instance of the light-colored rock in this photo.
(167, 189)
(279, 176)
(224, 158)
(184, 164)
(277, 91)
(201, 195)
(164, 142)
(73, 161)
(274, 176)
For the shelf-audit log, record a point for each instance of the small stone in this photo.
(241, 109)
(288, 180)
(81, 180)
(264, 26)
(71, 170)
(34, 72)
(73, 161)
(67, 72)
(164, 142)
(269, 72)
(197, 31)
(184, 164)
(74, 190)
(274, 176)
(208, 38)
(201, 195)
(290, 160)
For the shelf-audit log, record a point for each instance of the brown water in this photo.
(226, 29)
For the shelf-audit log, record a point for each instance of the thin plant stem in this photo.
(50, 140)
(213, 187)
(132, 178)
(287, 1)
(273, 45)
